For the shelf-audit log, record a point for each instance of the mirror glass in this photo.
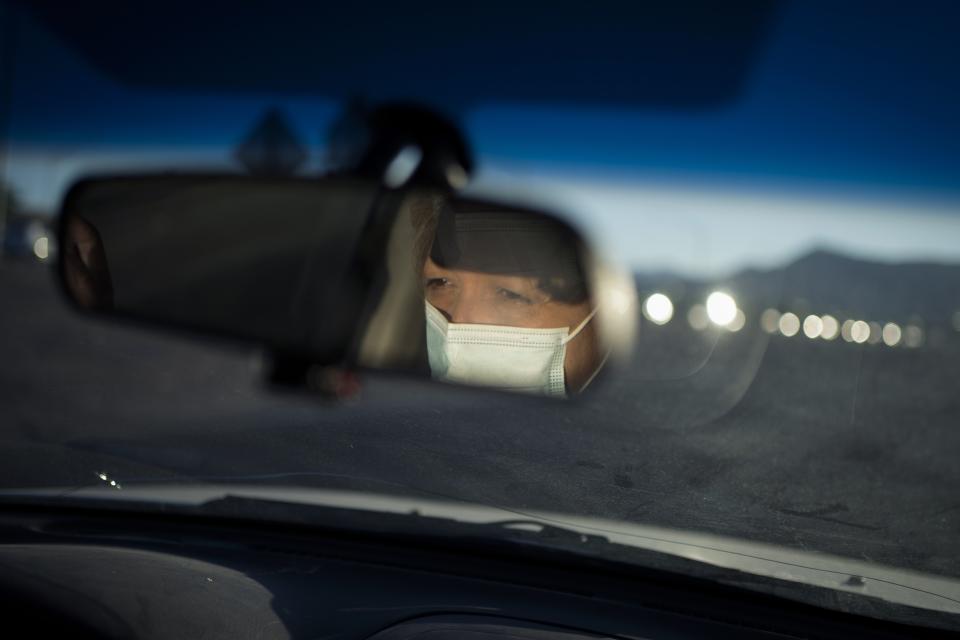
(251, 258)
(342, 272)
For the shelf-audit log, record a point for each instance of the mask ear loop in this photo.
(595, 371)
(573, 334)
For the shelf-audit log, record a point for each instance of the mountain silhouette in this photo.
(824, 281)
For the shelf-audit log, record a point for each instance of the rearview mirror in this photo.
(342, 272)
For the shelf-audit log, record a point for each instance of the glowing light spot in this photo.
(658, 309)
(403, 166)
(41, 247)
(113, 483)
(846, 330)
(769, 320)
(891, 334)
(913, 336)
(697, 317)
(102, 476)
(789, 324)
(456, 176)
(738, 322)
(812, 326)
(721, 308)
(619, 301)
(860, 332)
(875, 333)
(830, 327)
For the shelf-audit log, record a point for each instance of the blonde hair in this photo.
(425, 209)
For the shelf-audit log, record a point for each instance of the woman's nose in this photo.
(469, 308)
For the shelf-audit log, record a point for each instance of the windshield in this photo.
(795, 246)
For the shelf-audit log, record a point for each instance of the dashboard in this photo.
(133, 575)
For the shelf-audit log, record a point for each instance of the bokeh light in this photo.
(789, 324)
(721, 308)
(738, 322)
(846, 330)
(403, 165)
(769, 320)
(875, 333)
(812, 326)
(658, 309)
(831, 328)
(913, 336)
(697, 317)
(860, 331)
(41, 247)
(891, 334)
(619, 301)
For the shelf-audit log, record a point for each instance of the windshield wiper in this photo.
(548, 531)
(411, 522)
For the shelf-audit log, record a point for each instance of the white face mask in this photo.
(508, 358)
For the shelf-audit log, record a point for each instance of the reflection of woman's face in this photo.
(473, 297)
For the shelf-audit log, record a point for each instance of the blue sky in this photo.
(853, 104)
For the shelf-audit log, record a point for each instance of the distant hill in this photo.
(827, 282)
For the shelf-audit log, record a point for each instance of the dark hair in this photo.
(425, 208)
(565, 290)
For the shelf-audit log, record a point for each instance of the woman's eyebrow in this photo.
(525, 286)
(434, 269)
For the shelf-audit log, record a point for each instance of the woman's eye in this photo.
(513, 296)
(436, 283)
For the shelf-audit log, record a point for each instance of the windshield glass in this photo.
(796, 252)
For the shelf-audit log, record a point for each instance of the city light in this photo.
(738, 322)
(658, 309)
(769, 320)
(789, 324)
(831, 328)
(891, 334)
(697, 317)
(860, 331)
(913, 336)
(721, 308)
(812, 326)
(846, 330)
(41, 247)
